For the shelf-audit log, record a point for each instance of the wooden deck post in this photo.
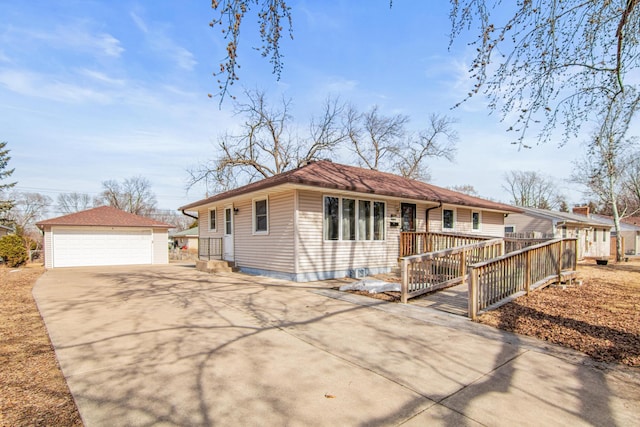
(559, 261)
(472, 280)
(527, 272)
(404, 294)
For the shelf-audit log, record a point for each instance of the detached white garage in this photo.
(104, 236)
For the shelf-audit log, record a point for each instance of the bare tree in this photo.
(465, 188)
(602, 169)
(556, 63)
(437, 141)
(134, 195)
(73, 202)
(631, 182)
(29, 208)
(266, 145)
(532, 189)
(375, 138)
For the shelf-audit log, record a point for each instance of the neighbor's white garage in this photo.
(104, 236)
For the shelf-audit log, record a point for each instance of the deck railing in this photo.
(435, 270)
(413, 243)
(491, 282)
(210, 248)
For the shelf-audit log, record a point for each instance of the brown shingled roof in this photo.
(104, 216)
(329, 175)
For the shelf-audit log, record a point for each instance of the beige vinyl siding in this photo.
(317, 255)
(48, 242)
(529, 224)
(492, 224)
(203, 222)
(160, 246)
(463, 221)
(273, 251)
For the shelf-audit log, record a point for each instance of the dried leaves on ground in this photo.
(33, 391)
(599, 316)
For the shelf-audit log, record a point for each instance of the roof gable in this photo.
(104, 216)
(328, 175)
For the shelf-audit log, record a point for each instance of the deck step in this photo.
(216, 266)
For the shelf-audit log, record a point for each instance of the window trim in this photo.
(453, 210)
(357, 219)
(509, 225)
(254, 218)
(215, 215)
(479, 229)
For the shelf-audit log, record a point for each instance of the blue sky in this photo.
(98, 90)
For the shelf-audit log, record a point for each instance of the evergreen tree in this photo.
(5, 203)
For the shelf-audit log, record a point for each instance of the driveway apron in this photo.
(168, 345)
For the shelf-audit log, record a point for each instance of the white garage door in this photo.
(76, 248)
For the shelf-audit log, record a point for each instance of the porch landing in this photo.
(452, 300)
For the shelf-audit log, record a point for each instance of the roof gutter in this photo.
(427, 214)
(189, 215)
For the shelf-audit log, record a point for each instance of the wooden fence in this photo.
(495, 281)
(210, 248)
(435, 270)
(414, 243)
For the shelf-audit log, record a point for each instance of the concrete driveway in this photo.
(168, 345)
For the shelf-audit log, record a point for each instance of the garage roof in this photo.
(104, 216)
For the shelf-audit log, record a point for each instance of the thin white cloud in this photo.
(142, 26)
(101, 77)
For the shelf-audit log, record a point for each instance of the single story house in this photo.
(326, 220)
(630, 233)
(4, 230)
(593, 235)
(186, 239)
(104, 236)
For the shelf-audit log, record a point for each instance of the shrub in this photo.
(12, 250)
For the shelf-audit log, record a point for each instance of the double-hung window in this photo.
(476, 221)
(352, 219)
(212, 219)
(260, 216)
(448, 219)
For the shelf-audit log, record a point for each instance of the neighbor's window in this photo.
(475, 220)
(509, 228)
(604, 235)
(351, 219)
(564, 231)
(447, 219)
(260, 216)
(212, 219)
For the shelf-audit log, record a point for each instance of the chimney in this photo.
(581, 210)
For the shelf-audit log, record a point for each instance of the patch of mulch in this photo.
(599, 317)
(33, 391)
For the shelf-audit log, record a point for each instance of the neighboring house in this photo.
(593, 235)
(4, 230)
(630, 233)
(187, 239)
(327, 220)
(104, 236)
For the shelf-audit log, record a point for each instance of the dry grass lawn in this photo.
(33, 391)
(600, 317)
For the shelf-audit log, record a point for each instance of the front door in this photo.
(227, 240)
(408, 216)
